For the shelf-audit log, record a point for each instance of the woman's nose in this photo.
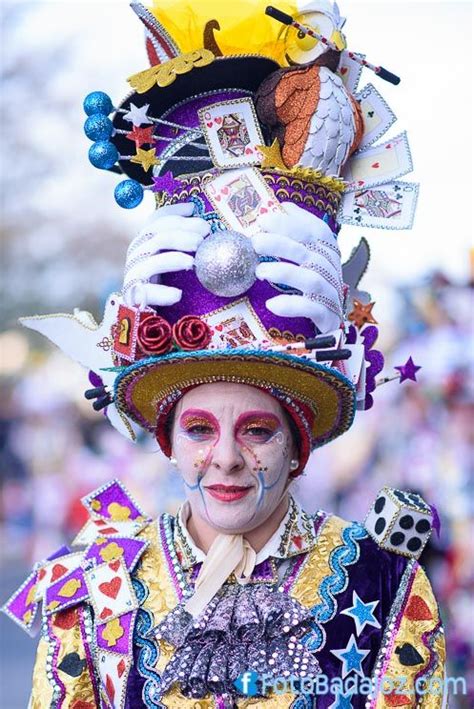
(226, 454)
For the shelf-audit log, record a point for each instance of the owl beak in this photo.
(339, 40)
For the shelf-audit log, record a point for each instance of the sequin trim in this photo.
(149, 652)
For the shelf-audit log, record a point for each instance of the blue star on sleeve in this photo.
(351, 657)
(362, 613)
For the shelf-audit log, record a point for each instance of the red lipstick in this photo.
(227, 493)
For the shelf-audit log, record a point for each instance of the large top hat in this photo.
(238, 114)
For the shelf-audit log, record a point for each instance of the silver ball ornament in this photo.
(225, 263)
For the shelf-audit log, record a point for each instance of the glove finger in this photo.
(167, 262)
(280, 223)
(175, 240)
(279, 246)
(177, 223)
(297, 306)
(296, 277)
(184, 209)
(310, 224)
(143, 294)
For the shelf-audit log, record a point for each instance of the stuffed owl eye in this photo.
(302, 49)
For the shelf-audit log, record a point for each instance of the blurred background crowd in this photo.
(63, 244)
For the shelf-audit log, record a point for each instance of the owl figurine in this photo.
(317, 122)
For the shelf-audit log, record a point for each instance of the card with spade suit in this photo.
(240, 197)
(110, 590)
(232, 133)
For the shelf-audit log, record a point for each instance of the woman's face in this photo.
(233, 447)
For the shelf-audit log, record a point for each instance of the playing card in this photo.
(54, 570)
(236, 326)
(390, 206)
(232, 133)
(240, 197)
(105, 528)
(350, 71)
(114, 671)
(377, 115)
(379, 164)
(110, 591)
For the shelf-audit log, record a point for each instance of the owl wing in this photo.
(296, 98)
(332, 130)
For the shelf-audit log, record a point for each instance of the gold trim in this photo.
(164, 74)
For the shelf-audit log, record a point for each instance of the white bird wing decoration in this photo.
(332, 130)
(80, 337)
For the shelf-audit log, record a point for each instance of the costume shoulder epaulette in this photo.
(401, 522)
(96, 567)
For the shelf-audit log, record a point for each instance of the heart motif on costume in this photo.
(105, 613)
(263, 210)
(218, 120)
(111, 588)
(121, 667)
(388, 146)
(115, 565)
(65, 619)
(41, 574)
(417, 609)
(225, 190)
(361, 182)
(219, 328)
(344, 70)
(58, 571)
(218, 197)
(375, 164)
(209, 125)
(249, 151)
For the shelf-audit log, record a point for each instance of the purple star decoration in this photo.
(166, 183)
(408, 370)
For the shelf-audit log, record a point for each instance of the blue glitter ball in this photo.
(128, 194)
(98, 102)
(98, 127)
(103, 154)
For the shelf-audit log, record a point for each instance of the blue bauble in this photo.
(128, 194)
(98, 102)
(98, 127)
(103, 154)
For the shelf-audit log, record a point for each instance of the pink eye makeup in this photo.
(199, 424)
(257, 426)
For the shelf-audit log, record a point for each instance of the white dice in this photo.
(400, 521)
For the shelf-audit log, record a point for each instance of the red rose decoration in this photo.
(191, 333)
(154, 336)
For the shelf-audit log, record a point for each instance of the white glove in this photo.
(173, 230)
(307, 241)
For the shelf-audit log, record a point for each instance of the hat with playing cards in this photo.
(237, 114)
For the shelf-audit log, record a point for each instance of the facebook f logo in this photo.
(246, 683)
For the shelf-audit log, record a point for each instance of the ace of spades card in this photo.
(240, 197)
(110, 590)
(232, 133)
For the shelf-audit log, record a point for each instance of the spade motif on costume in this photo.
(408, 655)
(72, 665)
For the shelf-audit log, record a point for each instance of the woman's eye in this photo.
(200, 430)
(258, 432)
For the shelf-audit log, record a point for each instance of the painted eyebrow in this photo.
(251, 416)
(189, 414)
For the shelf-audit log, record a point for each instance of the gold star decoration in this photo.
(145, 158)
(362, 314)
(113, 631)
(118, 513)
(272, 155)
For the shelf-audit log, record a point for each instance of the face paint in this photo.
(232, 443)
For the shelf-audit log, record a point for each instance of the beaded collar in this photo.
(295, 535)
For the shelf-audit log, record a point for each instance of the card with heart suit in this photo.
(232, 133)
(240, 197)
(94, 528)
(54, 570)
(379, 164)
(114, 670)
(350, 71)
(110, 591)
(389, 206)
(377, 115)
(236, 325)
